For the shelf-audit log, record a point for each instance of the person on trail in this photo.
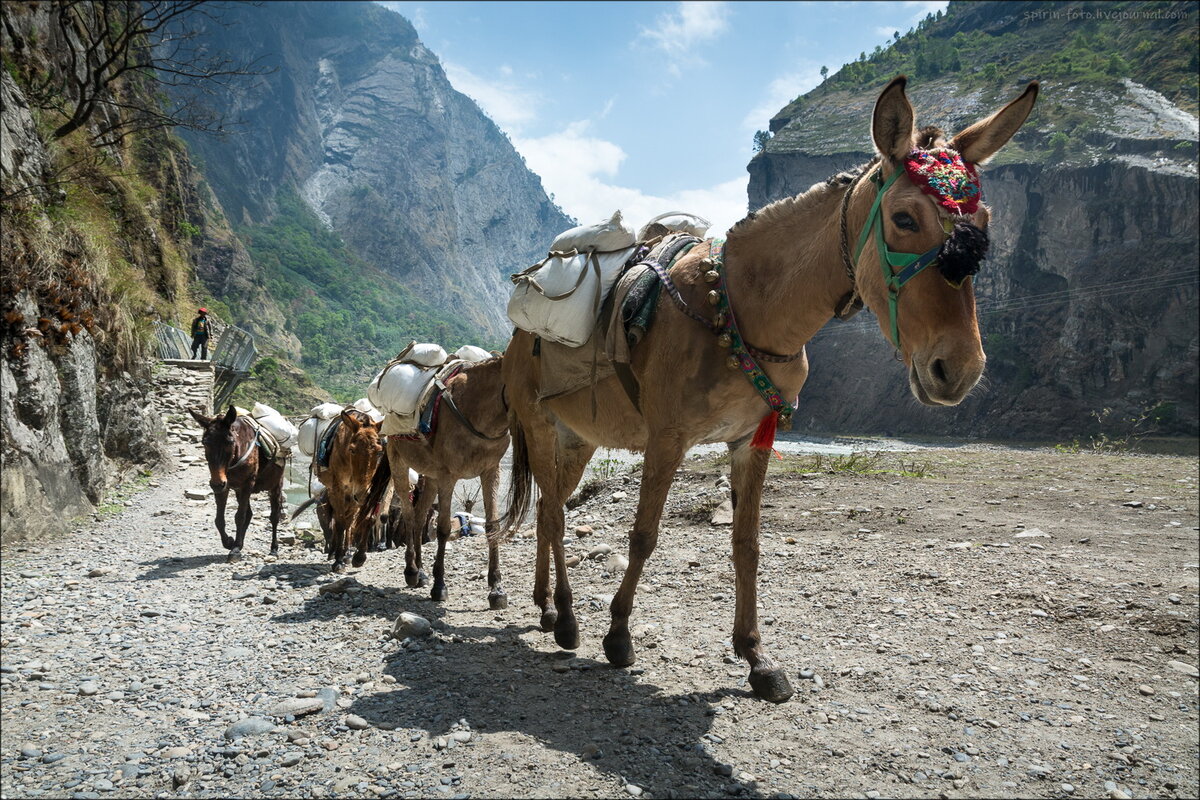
(200, 334)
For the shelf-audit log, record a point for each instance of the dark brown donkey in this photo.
(470, 439)
(234, 462)
(354, 454)
(785, 271)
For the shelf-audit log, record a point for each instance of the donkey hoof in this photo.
(338, 566)
(549, 618)
(771, 685)
(234, 555)
(360, 558)
(274, 551)
(227, 542)
(439, 593)
(497, 601)
(618, 649)
(566, 633)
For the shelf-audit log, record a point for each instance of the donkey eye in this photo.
(905, 222)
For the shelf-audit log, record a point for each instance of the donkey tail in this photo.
(310, 501)
(362, 528)
(520, 486)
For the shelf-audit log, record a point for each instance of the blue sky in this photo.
(646, 106)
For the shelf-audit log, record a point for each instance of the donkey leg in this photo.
(572, 458)
(414, 575)
(749, 469)
(445, 498)
(490, 483)
(541, 576)
(222, 497)
(242, 521)
(276, 515)
(662, 459)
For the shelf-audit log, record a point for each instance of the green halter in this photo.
(909, 264)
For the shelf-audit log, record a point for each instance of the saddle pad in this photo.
(326, 444)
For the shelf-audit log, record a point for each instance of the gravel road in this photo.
(957, 623)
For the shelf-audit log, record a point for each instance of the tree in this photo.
(824, 73)
(760, 140)
(122, 56)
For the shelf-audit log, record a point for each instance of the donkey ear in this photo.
(200, 418)
(980, 142)
(892, 121)
(351, 419)
(231, 415)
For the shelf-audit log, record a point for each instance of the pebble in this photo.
(53, 758)
(584, 530)
(1185, 668)
(599, 550)
(30, 751)
(296, 707)
(411, 625)
(248, 726)
(88, 688)
(177, 752)
(1067, 788)
(356, 723)
(633, 790)
(462, 737)
(1146, 689)
(291, 760)
(723, 514)
(99, 572)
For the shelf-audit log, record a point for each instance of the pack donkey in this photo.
(706, 375)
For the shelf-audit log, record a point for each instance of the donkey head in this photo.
(363, 446)
(219, 445)
(931, 208)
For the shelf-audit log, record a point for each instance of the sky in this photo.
(646, 107)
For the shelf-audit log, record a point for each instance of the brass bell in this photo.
(719, 319)
(725, 340)
(734, 363)
(707, 262)
(712, 276)
(714, 297)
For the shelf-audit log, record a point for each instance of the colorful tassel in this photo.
(764, 437)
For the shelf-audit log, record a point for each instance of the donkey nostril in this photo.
(938, 369)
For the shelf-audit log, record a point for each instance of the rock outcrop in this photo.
(359, 118)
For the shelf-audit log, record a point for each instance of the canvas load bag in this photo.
(274, 423)
(326, 410)
(311, 431)
(406, 422)
(469, 352)
(559, 297)
(365, 406)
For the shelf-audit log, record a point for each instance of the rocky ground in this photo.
(957, 623)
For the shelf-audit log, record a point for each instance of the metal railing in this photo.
(170, 342)
(232, 356)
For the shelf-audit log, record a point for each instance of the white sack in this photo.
(311, 431)
(678, 221)
(602, 237)
(326, 410)
(424, 354)
(397, 389)
(315, 487)
(569, 320)
(469, 352)
(364, 405)
(276, 424)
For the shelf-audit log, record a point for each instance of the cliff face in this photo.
(359, 119)
(1088, 300)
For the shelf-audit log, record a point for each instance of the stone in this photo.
(462, 737)
(337, 587)
(291, 759)
(177, 752)
(1185, 668)
(196, 494)
(296, 707)
(181, 775)
(633, 790)
(616, 562)
(356, 723)
(99, 572)
(574, 560)
(1146, 689)
(249, 726)
(723, 514)
(584, 530)
(1032, 533)
(411, 625)
(30, 751)
(600, 549)
(88, 688)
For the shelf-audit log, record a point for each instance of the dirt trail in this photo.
(957, 622)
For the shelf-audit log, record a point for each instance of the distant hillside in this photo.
(1088, 302)
(379, 204)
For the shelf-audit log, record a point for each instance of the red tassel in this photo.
(764, 437)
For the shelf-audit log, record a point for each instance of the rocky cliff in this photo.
(97, 242)
(358, 119)
(1088, 301)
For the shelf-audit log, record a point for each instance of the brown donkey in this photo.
(785, 270)
(354, 454)
(470, 439)
(234, 462)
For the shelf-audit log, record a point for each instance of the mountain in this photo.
(400, 186)
(1088, 300)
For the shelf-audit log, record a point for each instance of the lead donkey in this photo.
(234, 462)
(785, 270)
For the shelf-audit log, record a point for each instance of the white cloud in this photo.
(579, 171)
(508, 104)
(679, 33)
(781, 91)
(886, 31)
(922, 8)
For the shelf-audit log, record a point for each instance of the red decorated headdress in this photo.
(944, 175)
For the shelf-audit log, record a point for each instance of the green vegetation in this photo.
(873, 462)
(114, 500)
(1122, 434)
(1078, 42)
(349, 316)
(279, 384)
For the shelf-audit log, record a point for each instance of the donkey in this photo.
(234, 462)
(354, 454)
(786, 270)
(470, 439)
